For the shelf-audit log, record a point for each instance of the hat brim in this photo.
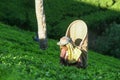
(59, 43)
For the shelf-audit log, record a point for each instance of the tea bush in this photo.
(109, 42)
(95, 13)
(98, 14)
(20, 13)
(21, 59)
(99, 21)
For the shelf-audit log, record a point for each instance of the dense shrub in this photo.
(109, 43)
(98, 14)
(97, 17)
(100, 20)
(60, 29)
(17, 12)
(21, 59)
(22, 13)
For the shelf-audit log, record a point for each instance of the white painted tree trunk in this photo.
(41, 23)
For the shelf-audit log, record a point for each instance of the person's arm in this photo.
(63, 53)
(66, 56)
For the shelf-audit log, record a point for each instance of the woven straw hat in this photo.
(64, 40)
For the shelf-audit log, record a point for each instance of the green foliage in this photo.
(17, 12)
(98, 14)
(59, 30)
(99, 21)
(109, 42)
(106, 3)
(94, 12)
(21, 59)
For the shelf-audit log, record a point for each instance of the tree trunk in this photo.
(41, 23)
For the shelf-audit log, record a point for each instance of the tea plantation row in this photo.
(96, 13)
(21, 59)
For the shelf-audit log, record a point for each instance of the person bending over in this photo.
(70, 54)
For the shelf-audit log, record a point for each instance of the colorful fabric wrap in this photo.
(73, 53)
